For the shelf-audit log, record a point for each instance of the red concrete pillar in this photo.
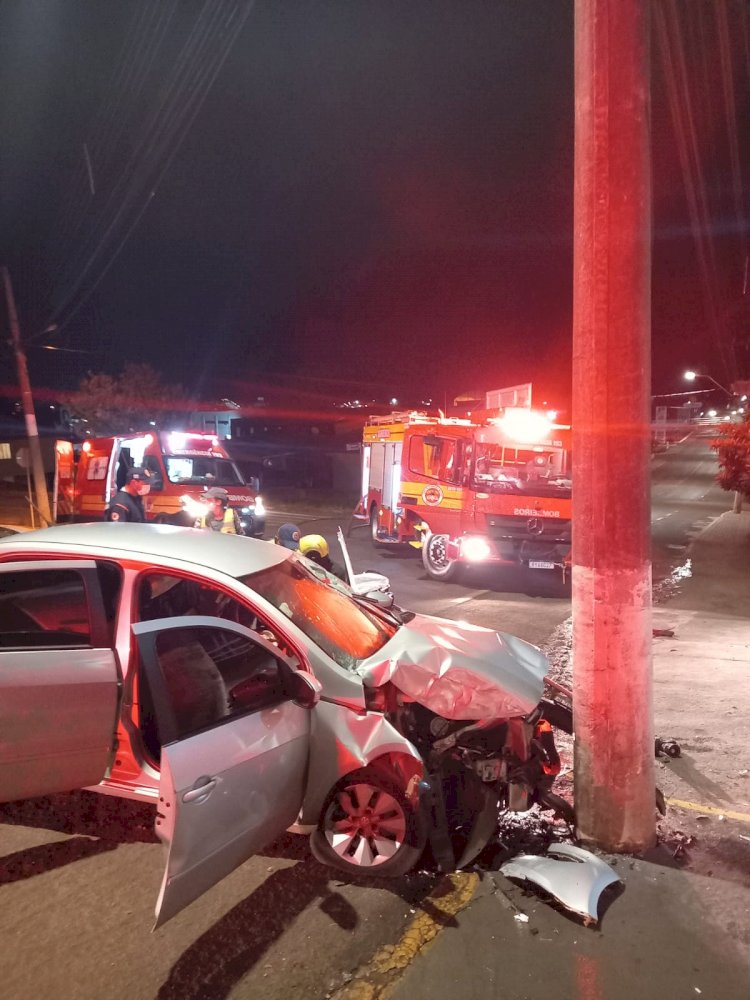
(614, 748)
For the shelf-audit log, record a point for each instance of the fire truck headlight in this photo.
(260, 507)
(475, 549)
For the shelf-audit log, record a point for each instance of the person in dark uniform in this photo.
(127, 503)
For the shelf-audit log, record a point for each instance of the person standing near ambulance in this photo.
(127, 503)
(219, 515)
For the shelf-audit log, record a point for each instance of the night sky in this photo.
(370, 197)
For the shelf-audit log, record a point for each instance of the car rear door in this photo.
(59, 678)
(233, 720)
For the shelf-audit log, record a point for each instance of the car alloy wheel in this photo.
(369, 827)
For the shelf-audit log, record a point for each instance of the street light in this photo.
(691, 376)
(66, 350)
(52, 328)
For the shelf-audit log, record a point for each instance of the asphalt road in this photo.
(79, 874)
(684, 499)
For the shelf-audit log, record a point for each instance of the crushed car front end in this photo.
(475, 705)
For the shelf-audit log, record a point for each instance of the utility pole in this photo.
(32, 432)
(614, 746)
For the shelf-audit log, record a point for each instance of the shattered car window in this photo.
(323, 610)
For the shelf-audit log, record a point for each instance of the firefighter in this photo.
(288, 536)
(315, 547)
(219, 516)
(127, 503)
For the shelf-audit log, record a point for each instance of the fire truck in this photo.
(493, 488)
(183, 465)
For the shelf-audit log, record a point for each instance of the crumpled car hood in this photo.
(459, 671)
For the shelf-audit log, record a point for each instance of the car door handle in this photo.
(201, 791)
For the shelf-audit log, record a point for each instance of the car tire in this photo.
(370, 827)
(435, 560)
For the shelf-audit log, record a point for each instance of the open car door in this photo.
(59, 678)
(232, 717)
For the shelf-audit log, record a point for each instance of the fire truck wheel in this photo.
(435, 559)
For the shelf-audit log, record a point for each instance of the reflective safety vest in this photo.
(228, 525)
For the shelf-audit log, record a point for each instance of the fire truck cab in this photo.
(183, 466)
(494, 488)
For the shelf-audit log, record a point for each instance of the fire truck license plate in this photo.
(540, 564)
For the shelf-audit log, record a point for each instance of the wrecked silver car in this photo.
(243, 691)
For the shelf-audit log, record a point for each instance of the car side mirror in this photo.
(379, 597)
(303, 689)
(254, 484)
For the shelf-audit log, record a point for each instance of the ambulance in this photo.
(183, 465)
(493, 488)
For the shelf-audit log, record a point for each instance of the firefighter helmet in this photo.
(313, 545)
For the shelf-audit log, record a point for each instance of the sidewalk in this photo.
(702, 675)
(681, 926)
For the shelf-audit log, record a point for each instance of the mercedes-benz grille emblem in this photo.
(535, 525)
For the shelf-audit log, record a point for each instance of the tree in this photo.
(733, 449)
(127, 402)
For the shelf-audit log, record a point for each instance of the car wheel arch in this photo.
(343, 742)
(403, 767)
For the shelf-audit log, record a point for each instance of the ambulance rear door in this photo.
(94, 478)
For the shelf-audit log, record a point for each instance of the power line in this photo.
(196, 67)
(678, 95)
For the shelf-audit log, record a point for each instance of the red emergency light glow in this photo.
(178, 440)
(200, 436)
(525, 426)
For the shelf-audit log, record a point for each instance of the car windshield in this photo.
(321, 606)
(202, 471)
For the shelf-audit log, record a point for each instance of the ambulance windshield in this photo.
(202, 471)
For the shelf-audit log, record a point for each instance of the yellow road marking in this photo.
(376, 980)
(709, 810)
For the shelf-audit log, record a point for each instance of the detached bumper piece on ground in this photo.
(572, 875)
